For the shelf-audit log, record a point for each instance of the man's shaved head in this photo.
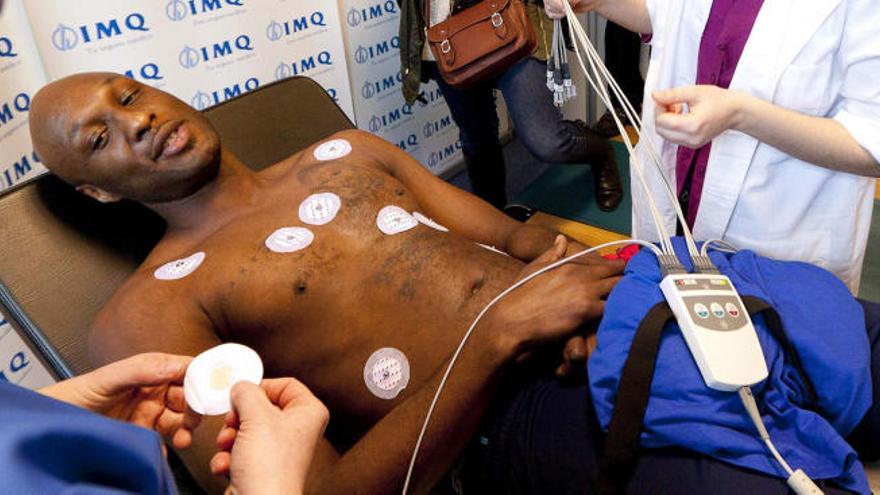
(112, 137)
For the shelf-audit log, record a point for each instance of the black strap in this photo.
(622, 443)
(754, 306)
(621, 450)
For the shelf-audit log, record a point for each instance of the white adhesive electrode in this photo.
(211, 375)
(178, 269)
(332, 150)
(289, 239)
(422, 219)
(386, 373)
(320, 208)
(393, 220)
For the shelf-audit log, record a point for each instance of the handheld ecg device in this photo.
(717, 329)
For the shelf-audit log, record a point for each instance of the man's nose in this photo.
(138, 124)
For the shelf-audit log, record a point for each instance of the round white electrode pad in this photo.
(386, 373)
(289, 239)
(211, 375)
(427, 221)
(333, 149)
(394, 220)
(319, 209)
(179, 268)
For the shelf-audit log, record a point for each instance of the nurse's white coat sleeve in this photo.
(859, 56)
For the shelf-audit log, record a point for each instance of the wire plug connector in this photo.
(702, 264)
(670, 265)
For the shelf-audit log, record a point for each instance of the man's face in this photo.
(113, 137)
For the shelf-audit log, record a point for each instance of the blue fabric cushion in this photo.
(823, 322)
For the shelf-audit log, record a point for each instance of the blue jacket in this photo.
(823, 322)
(52, 447)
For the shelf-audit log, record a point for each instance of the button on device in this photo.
(717, 310)
(732, 310)
(701, 310)
(718, 281)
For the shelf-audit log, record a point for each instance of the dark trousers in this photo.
(622, 52)
(539, 124)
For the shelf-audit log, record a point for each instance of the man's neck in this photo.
(230, 192)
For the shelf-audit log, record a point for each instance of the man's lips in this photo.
(172, 138)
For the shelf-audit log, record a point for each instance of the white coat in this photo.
(817, 57)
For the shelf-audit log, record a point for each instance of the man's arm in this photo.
(545, 309)
(137, 321)
(631, 14)
(456, 209)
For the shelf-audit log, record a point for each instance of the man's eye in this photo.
(128, 98)
(100, 140)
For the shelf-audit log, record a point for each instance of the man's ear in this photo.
(98, 194)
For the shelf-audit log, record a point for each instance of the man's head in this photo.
(112, 137)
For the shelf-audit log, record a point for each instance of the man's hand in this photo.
(145, 390)
(556, 10)
(710, 111)
(270, 437)
(553, 305)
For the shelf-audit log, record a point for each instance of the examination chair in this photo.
(62, 255)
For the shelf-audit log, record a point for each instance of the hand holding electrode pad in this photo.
(212, 374)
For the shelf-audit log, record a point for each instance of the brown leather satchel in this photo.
(481, 42)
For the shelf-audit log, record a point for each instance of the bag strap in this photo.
(622, 443)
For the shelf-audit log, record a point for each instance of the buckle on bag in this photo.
(497, 20)
(445, 46)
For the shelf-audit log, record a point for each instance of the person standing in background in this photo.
(623, 50)
(539, 124)
(767, 117)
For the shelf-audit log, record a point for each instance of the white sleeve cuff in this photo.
(865, 130)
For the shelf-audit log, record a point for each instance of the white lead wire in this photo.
(470, 330)
(601, 73)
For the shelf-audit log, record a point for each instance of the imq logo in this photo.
(384, 85)
(147, 72)
(436, 126)
(409, 142)
(19, 170)
(65, 38)
(446, 153)
(7, 48)
(357, 16)
(17, 363)
(178, 10)
(431, 97)
(303, 65)
(203, 100)
(276, 30)
(395, 116)
(18, 105)
(364, 54)
(191, 57)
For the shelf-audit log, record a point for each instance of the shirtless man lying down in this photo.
(318, 263)
(321, 264)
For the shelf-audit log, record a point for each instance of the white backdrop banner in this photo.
(21, 75)
(202, 51)
(425, 130)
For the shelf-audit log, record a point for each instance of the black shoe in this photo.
(609, 189)
(602, 159)
(606, 127)
(519, 212)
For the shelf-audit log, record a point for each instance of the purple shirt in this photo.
(729, 25)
